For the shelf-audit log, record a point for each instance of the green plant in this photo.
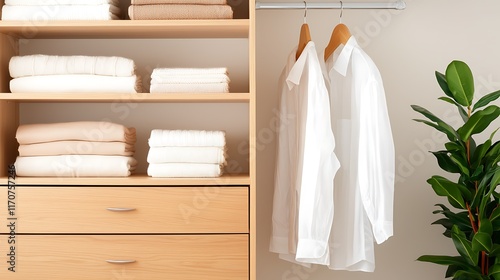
(473, 222)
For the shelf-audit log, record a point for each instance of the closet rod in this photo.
(398, 5)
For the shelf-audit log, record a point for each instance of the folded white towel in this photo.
(75, 166)
(187, 138)
(215, 155)
(77, 148)
(183, 170)
(84, 131)
(58, 2)
(165, 72)
(36, 65)
(191, 79)
(75, 84)
(67, 12)
(189, 88)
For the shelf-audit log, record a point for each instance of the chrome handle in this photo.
(120, 261)
(119, 209)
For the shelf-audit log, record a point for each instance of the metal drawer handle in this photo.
(120, 261)
(120, 209)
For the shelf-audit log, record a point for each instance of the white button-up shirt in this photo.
(364, 186)
(306, 163)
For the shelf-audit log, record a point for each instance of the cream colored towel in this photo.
(174, 11)
(84, 131)
(76, 84)
(189, 88)
(191, 79)
(187, 138)
(201, 2)
(76, 12)
(57, 148)
(216, 155)
(75, 166)
(183, 170)
(166, 72)
(35, 65)
(59, 2)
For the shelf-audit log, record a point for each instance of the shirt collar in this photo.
(295, 73)
(342, 61)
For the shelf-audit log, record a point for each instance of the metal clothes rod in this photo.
(398, 5)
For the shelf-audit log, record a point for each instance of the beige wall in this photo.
(408, 46)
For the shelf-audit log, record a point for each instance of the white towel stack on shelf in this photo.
(75, 149)
(190, 80)
(186, 153)
(42, 10)
(73, 74)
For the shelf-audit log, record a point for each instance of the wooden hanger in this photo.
(305, 35)
(340, 35)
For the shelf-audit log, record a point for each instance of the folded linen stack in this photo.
(186, 153)
(42, 10)
(184, 80)
(75, 149)
(73, 74)
(179, 9)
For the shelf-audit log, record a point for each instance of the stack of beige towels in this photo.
(186, 80)
(179, 9)
(75, 149)
(42, 10)
(73, 74)
(186, 153)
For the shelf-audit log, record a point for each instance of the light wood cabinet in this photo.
(135, 227)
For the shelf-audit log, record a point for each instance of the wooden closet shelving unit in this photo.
(219, 242)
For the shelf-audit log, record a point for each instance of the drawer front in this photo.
(129, 209)
(139, 257)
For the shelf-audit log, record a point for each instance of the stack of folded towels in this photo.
(42, 10)
(184, 80)
(186, 153)
(75, 149)
(73, 74)
(179, 9)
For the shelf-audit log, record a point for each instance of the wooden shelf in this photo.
(120, 97)
(134, 180)
(78, 29)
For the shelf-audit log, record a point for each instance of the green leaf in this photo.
(461, 164)
(494, 271)
(481, 242)
(485, 100)
(452, 136)
(478, 173)
(495, 214)
(485, 226)
(444, 187)
(464, 246)
(443, 260)
(441, 79)
(478, 122)
(461, 82)
(461, 110)
(479, 153)
(468, 275)
(455, 146)
(445, 162)
(495, 250)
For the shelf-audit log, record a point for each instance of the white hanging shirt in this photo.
(306, 164)
(364, 186)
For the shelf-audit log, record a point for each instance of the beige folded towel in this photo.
(75, 166)
(183, 170)
(167, 11)
(84, 130)
(200, 2)
(77, 148)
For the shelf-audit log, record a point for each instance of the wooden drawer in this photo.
(174, 257)
(109, 209)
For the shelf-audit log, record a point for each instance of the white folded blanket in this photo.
(215, 155)
(77, 148)
(84, 131)
(183, 170)
(187, 138)
(166, 72)
(189, 88)
(59, 2)
(75, 84)
(75, 166)
(67, 12)
(191, 79)
(36, 65)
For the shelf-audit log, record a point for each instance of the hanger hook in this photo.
(305, 11)
(341, 10)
